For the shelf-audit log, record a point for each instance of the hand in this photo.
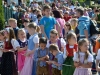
(49, 62)
(25, 47)
(27, 54)
(47, 57)
(98, 68)
(42, 59)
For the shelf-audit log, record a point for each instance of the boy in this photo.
(58, 60)
(13, 23)
(98, 62)
(41, 56)
(47, 23)
(54, 39)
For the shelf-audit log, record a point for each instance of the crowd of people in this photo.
(51, 39)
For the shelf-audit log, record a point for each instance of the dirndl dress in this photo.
(68, 70)
(8, 66)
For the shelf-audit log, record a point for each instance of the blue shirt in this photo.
(83, 24)
(41, 53)
(48, 23)
(60, 60)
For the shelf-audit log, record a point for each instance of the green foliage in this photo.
(1, 16)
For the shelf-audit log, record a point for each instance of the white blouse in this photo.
(82, 55)
(98, 55)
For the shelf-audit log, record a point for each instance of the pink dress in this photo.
(80, 70)
(62, 23)
(21, 60)
(27, 69)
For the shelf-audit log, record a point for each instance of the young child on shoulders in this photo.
(58, 60)
(54, 39)
(69, 50)
(41, 55)
(83, 59)
(98, 62)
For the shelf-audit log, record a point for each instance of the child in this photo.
(26, 22)
(54, 39)
(8, 66)
(58, 60)
(47, 23)
(13, 23)
(23, 47)
(98, 62)
(1, 42)
(1, 45)
(83, 59)
(32, 45)
(97, 45)
(74, 23)
(71, 47)
(41, 56)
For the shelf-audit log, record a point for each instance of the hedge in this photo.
(1, 16)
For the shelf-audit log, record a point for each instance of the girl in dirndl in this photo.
(71, 47)
(22, 49)
(8, 66)
(83, 59)
(33, 43)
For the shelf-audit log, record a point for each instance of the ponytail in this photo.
(33, 25)
(38, 29)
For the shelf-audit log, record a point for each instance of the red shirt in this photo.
(71, 50)
(68, 18)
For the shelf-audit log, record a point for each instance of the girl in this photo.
(32, 45)
(59, 19)
(1, 45)
(74, 23)
(8, 66)
(98, 62)
(23, 47)
(71, 47)
(1, 42)
(67, 29)
(83, 59)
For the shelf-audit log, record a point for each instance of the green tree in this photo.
(1, 16)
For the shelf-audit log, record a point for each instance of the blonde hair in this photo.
(69, 35)
(54, 31)
(53, 47)
(75, 20)
(12, 20)
(80, 43)
(21, 30)
(33, 25)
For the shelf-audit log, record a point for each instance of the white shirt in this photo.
(82, 55)
(35, 39)
(15, 44)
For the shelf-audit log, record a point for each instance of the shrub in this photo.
(1, 16)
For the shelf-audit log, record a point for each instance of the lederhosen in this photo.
(42, 70)
(55, 71)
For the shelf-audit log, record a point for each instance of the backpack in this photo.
(94, 29)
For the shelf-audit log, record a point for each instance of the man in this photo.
(83, 24)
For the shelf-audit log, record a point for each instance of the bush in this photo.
(1, 16)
